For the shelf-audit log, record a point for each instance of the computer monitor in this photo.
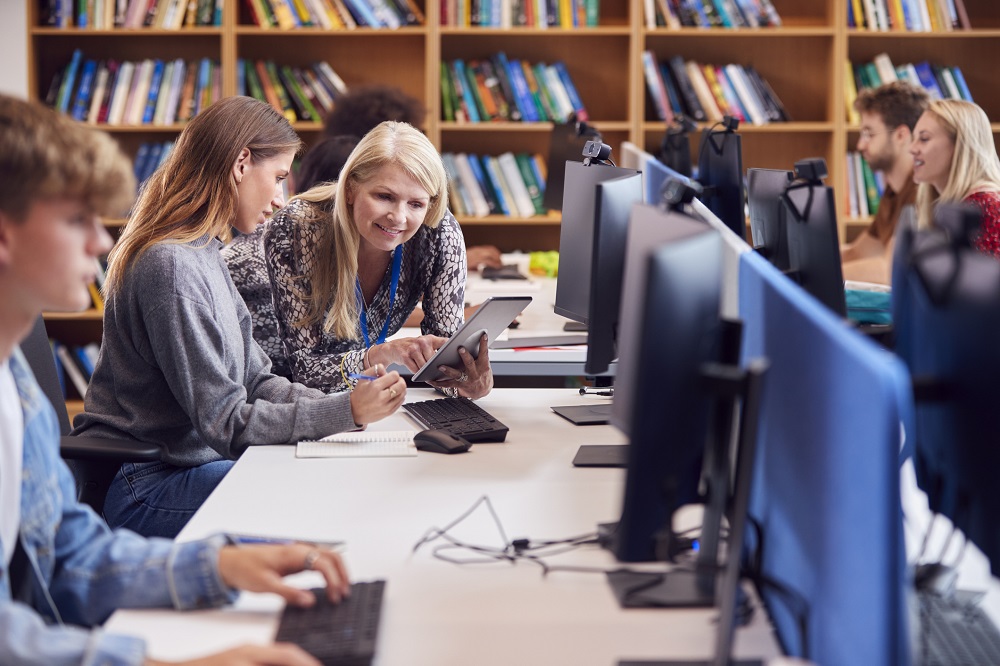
(565, 145)
(826, 547)
(576, 236)
(657, 173)
(767, 213)
(946, 312)
(675, 148)
(720, 171)
(813, 246)
(613, 206)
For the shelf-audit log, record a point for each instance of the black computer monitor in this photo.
(576, 236)
(811, 230)
(565, 145)
(767, 213)
(613, 207)
(720, 171)
(675, 149)
(946, 312)
(656, 174)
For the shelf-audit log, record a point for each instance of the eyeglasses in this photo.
(866, 134)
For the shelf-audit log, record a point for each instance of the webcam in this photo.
(681, 125)
(595, 152)
(730, 123)
(676, 192)
(812, 169)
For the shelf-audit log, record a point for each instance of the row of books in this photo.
(149, 157)
(334, 14)
(908, 15)
(711, 14)
(74, 366)
(109, 14)
(150, 92)
(864, 186)
(706, 92)
(300, 93)
(520, 13)
(498, 88)
(508, 184)
(940, 81)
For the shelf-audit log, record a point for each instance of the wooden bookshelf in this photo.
(804, 61)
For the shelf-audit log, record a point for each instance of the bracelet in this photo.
(366, 361)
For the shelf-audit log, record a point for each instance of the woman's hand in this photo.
(476, 378)
(478, 256)
(262, 568)
(411, 352)
(279, 654)
(375, 399)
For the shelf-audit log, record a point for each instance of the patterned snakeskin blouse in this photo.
(263, 264)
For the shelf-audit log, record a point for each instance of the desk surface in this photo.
(437, 612)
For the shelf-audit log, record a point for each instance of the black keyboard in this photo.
(954, 633)
(342, 634)
(459, 416)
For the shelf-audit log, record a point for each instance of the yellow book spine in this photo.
(850, 94)
(95, 294)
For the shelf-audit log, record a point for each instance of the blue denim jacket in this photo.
(82, 570)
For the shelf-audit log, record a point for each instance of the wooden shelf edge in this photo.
(551, 219)
(125, 32)
(753, 33)
(585, 32)
(86, 315)
(253, 31)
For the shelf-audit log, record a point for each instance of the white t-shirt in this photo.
(11, 460)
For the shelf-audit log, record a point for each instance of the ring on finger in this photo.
(464, 377)
(311, 558)
(392, 393)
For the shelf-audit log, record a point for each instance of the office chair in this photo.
(93, 460)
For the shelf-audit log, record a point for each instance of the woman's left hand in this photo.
(476, 378)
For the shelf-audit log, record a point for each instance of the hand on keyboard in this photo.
(261, 568)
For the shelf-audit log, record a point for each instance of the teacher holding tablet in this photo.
(338, 270)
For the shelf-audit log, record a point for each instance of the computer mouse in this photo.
(937, 578)
(440, 441)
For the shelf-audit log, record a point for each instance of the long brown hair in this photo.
(193, 193)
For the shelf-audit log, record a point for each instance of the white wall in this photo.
(14, 47)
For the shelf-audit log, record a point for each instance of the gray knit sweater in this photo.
(179, 367)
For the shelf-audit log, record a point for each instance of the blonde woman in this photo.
(955, 160)
(338, 270)
(179, 366)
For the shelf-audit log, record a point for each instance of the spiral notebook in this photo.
(359, 444)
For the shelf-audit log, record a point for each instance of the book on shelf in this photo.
(492, 172)
(536, 190)
(70, 366)
(519, 191)
(477, 196)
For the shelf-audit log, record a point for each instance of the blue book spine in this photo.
(241, 77)
(927, 80)
(69, 82)
(139, 163)
(204, 80)
(360, 8)
(495, 184)
(963, 88)
(537, 170)
(574, 96)
(84, 361)
(470, 100)
(152, 161)
(154, 92)
(81, 105)
(529, 112)
(484, 185)
(60, 371)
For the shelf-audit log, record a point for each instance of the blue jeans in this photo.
(158, 499)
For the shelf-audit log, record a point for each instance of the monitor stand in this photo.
(601, 455)
(574, 327)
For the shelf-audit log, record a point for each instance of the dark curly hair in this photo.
(899, 103)
(324, 161)
(361, 109)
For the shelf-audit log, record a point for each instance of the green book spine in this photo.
(286, 103)
(871, 189)
(296, 90)
(528, 175)
(447, 94)
(253, 82)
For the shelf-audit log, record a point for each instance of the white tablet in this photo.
(492, 318)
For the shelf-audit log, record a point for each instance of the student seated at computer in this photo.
(178, 365)
(955, 160)
(357, 113)
(888, 114)
(62, 571)
(347, 262)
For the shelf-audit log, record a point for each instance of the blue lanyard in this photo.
(397, 262)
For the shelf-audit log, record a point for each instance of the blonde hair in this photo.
(975, 166)
(333, 299)
(193, 193)
(44, 155)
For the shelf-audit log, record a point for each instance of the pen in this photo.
(356, 375)
(248, 539)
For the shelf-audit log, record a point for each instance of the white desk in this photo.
(438, 613)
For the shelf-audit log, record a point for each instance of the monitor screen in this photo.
(720, 168)
(613, 207)
(813, 246)
(676, 330)
(767, 221)
(565, 145)
(946, 313)
(576, 236)
(827, 531)
(657, 174)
